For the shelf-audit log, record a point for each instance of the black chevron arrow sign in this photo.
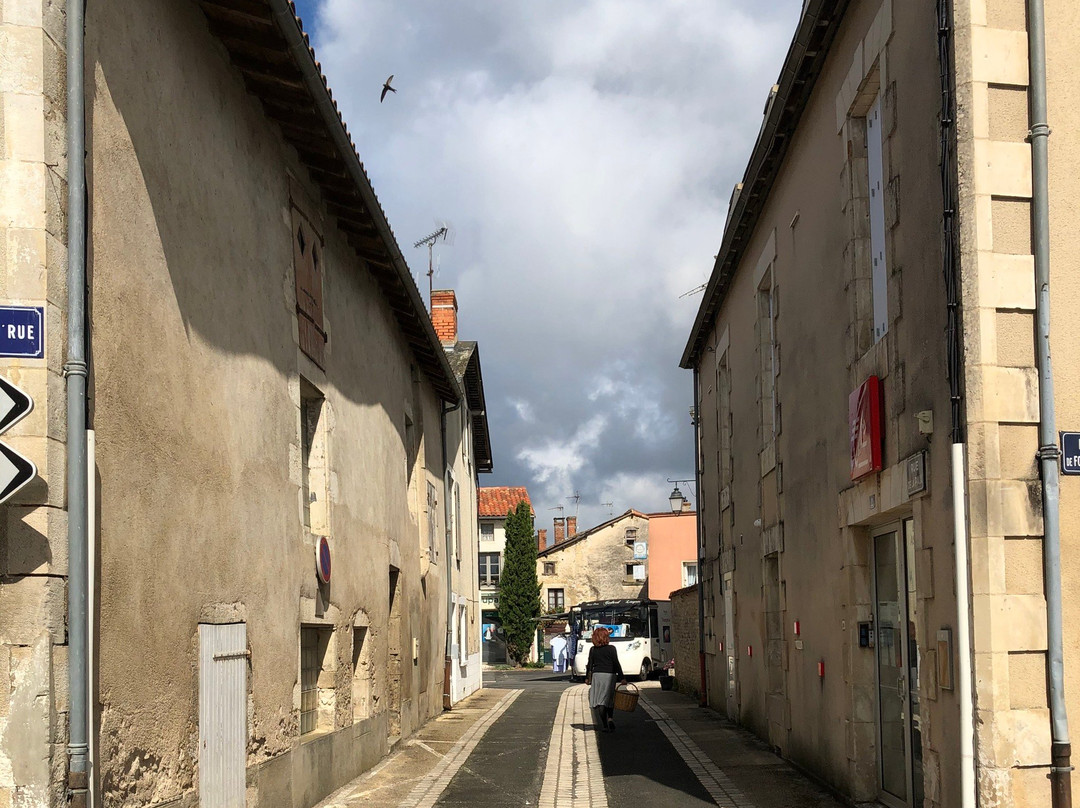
(15, 470)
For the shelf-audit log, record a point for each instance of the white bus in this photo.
(640, 633)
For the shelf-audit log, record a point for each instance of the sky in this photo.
(583, 153)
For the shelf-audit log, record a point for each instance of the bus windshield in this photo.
(626, 621)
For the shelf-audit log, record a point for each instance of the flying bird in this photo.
(386, 88)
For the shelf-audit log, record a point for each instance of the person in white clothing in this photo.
(558, 653)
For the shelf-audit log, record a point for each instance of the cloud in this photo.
(585, 151)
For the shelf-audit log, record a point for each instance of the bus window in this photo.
(654, 623)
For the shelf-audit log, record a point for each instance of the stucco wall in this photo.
(593, 567)
(672, 542)
(795, 530)
(196, 402)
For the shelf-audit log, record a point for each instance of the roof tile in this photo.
(498, 501)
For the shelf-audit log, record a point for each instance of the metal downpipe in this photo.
(1049, 454)
(700, 540)
(75, 371)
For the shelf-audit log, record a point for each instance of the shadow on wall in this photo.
(217, 187)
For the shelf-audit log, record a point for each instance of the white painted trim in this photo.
(766, 259)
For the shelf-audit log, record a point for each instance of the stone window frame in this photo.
(868, 81)
(315, 459)
(318, 691)
(549, 568)
(767, 353)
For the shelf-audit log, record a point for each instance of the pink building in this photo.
(673, 558)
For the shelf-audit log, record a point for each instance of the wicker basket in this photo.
(626, 697)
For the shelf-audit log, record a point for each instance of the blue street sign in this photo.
(1070, 452)
(22, 331)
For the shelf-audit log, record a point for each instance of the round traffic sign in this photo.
(322, 559)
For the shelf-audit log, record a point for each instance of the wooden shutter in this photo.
(308, 269)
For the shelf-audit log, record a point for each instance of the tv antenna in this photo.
(443, 232)
(610, 506)
(693, 291)
(576, 499)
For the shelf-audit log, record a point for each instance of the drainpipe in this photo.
(955, 363)
(700, 539)
(75, 369)
(448, 690)
(1049, 454)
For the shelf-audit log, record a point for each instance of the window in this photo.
(313, 460)
(631, 536)
(487, 531)
(316, 689)
(489, 569)
(689, 573)
(433, 520)
(630, 570)
(767, 357)
(556, 600)
(876, 171)
(549, 568)
(308, 270)
(363, 674)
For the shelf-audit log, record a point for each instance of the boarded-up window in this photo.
(308, 268)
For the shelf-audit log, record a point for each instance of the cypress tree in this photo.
(519, 591)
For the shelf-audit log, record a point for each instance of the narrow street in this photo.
(527, 738)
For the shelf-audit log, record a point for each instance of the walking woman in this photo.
(601, 673)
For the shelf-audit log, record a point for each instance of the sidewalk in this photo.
(760, 778)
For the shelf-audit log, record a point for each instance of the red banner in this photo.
(864, 420)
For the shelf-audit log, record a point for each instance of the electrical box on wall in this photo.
(866, 634)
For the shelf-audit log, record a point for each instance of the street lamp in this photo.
(677, 500)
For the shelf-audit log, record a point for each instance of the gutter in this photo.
(1049, 453)
(704, 702)
(75, 373)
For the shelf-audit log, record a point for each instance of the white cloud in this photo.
(586, 151)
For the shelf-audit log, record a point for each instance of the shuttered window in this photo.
(308, 269)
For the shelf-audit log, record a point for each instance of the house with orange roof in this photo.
(493, 504)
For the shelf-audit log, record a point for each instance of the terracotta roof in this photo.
(500, 500)
(267, 45)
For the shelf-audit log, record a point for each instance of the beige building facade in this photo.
(283, 488)
(595, 564)
(821, 355)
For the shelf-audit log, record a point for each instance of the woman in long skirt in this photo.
(602, 672)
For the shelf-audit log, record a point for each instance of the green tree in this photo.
(519, 591)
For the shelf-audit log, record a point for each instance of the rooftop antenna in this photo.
(610, 506)
(693, 291)
(442, 232)
(576, 499)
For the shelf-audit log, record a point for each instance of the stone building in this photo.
(868, 336)
(494, 503)
(596, 564)
(281, 489)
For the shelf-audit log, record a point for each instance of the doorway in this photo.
(393, 685)
(729, 648)
(223, 668)
(897, 666)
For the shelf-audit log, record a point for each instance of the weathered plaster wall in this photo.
(594, 568)
(33, 541)
(796, 531)
(196, 403)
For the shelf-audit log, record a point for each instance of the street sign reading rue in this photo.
(15, 470)
(22, 331)
(1070, 452)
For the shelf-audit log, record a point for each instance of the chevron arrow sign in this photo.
(15, 470)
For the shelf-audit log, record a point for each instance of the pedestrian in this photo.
(558, 653)
(601, 673)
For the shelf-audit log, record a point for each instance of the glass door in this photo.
(897, 657)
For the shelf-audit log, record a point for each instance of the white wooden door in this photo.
(223, 664)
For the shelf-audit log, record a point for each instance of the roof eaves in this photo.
(802, 66)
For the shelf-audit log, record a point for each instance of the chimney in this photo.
(571, 527)
(541, 540)
(686, 506)
(444, 315)
(560, 530)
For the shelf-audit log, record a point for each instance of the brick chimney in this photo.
(444, 315)
(571, 527)
(541, 540)
(560, 530)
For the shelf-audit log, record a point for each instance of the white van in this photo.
(640, 633)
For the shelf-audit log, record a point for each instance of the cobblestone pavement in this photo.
(528, 739)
